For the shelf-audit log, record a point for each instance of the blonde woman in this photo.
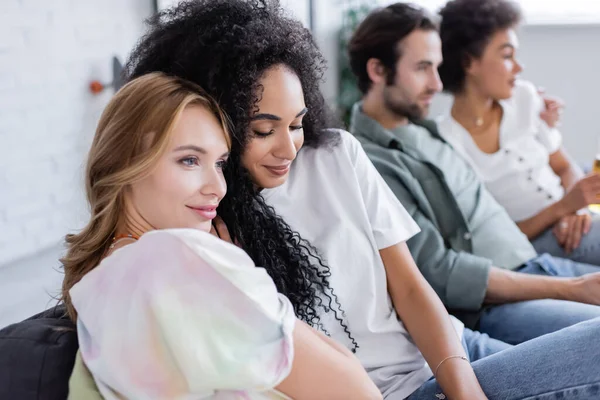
(164, 309)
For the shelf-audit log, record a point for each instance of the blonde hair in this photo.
(133, 133)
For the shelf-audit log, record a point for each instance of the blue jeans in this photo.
(516, 323)
(562, 365)
(479, 345)
(587, 252)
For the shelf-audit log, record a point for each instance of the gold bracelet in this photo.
(446, 359)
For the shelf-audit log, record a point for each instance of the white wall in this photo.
(49, 52)
(299, 9)
(566, 61)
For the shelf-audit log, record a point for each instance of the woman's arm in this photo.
(429, 324)
(580, 192)
(567, 170)
(324, 369)
(534, 226)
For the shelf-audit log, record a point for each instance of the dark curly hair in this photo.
(226, 46)
(378, 37)
(466, 28)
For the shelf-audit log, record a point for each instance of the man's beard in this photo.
(402, 109)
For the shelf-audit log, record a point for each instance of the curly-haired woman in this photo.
(495, 123)
(164, 309)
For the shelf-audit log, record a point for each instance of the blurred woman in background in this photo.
(495, 124)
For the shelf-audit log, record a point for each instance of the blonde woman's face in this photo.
(187, 184)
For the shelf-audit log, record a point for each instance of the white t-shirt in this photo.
(518, 175)
(337, 200)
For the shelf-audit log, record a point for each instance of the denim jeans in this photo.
(562, 365)
(587, 252)
(516, 323)
(479, 345)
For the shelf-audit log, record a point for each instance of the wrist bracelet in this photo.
(446, 359)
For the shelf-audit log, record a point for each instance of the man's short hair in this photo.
(378, 37)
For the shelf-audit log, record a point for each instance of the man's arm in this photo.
(460, 279)
(507, 286)
(465, 281)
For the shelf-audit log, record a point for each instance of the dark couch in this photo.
(37, 357)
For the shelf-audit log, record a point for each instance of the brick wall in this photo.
(49, 51)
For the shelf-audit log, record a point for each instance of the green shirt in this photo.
(82, 385)
(463, 229)
(492, 230)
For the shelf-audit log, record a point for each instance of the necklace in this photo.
(120, 237)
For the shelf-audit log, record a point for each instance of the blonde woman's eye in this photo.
(221, 164)
(189, 161)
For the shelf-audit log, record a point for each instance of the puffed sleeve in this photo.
(181, 313)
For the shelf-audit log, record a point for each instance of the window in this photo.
(541, 12)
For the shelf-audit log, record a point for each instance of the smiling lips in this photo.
(278, 170)
(207, 212)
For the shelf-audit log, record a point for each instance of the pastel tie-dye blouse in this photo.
(181, 314)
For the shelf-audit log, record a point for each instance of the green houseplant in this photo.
(347, 88)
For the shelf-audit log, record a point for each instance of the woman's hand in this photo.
(570, 229)
(585, 192)
(553, 108)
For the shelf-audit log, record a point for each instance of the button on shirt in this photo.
(518, 175)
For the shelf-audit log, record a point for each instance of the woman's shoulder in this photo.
(453, 133)
(341, 146)
(446, 126)
(524, 88)
(525, 99)
(162, 257)
(152, 248)
(522, 112)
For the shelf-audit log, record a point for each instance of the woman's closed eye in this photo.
(272, 131)
(264, 134)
